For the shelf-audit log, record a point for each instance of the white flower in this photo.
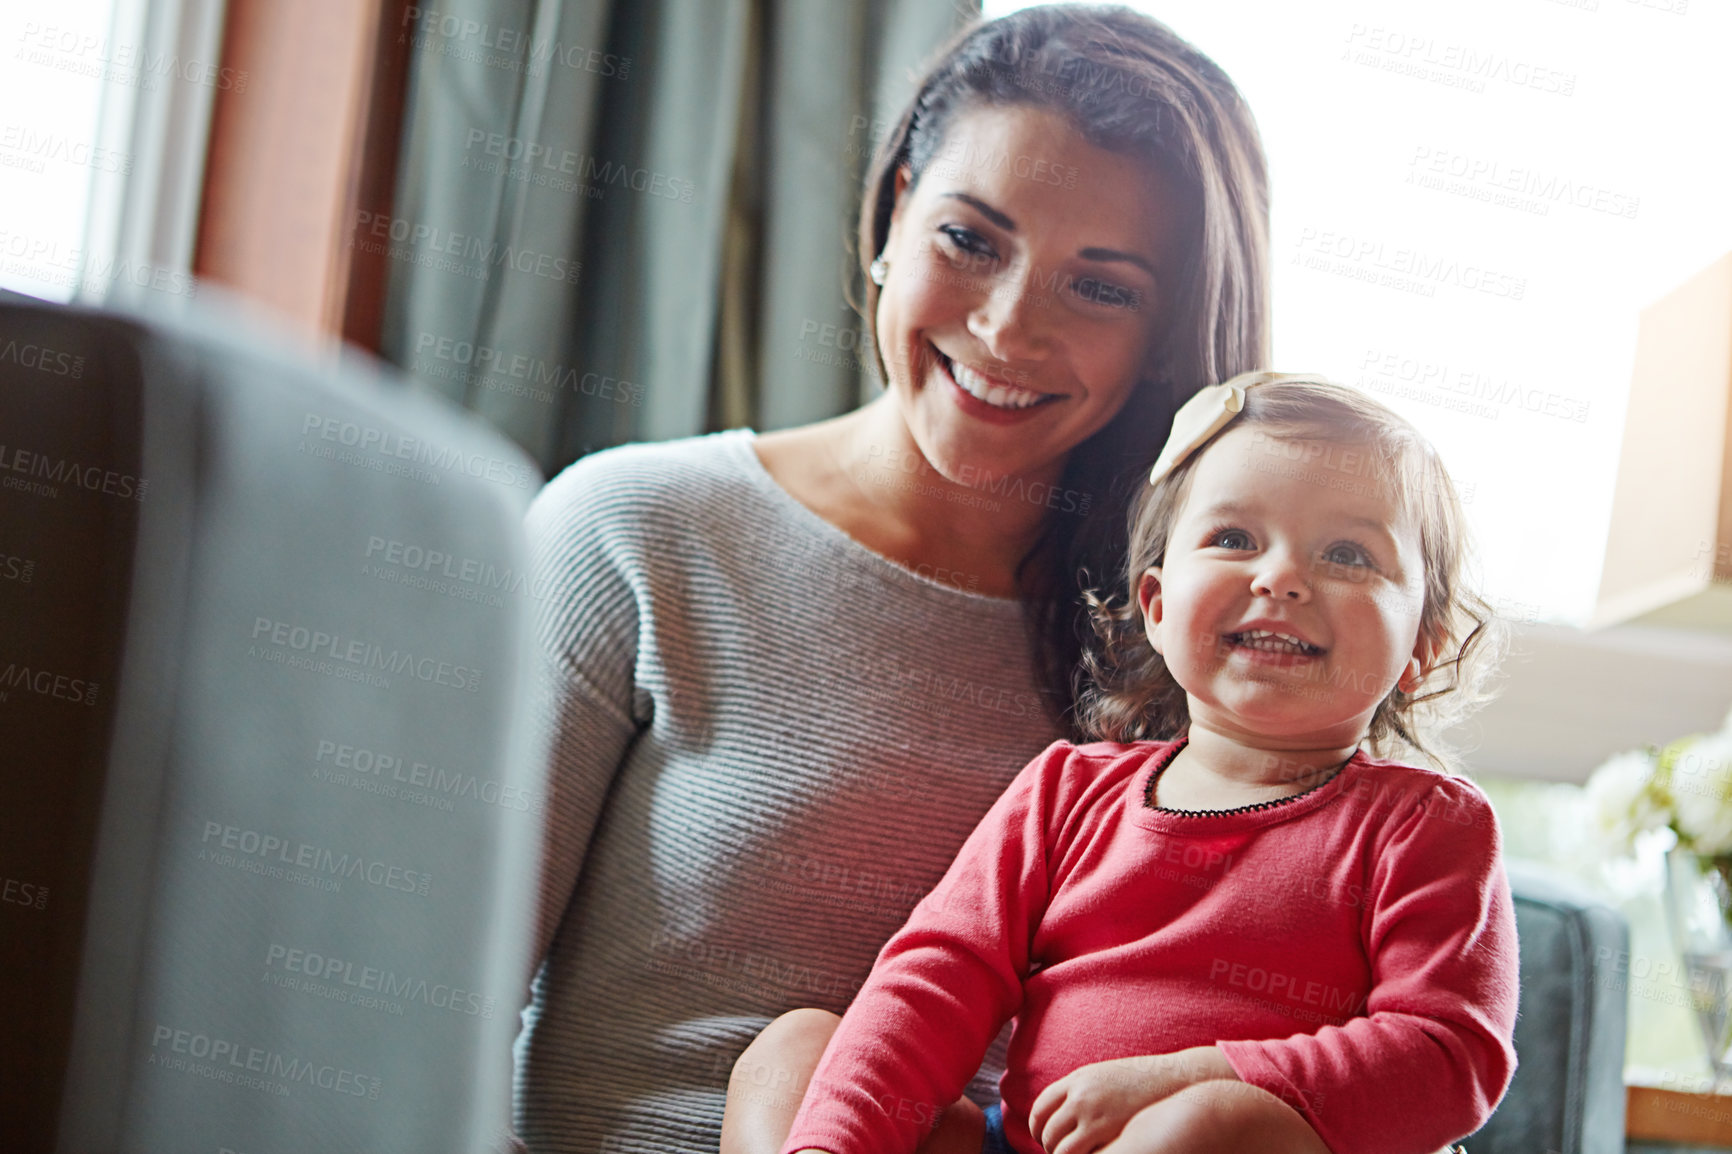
(1622, 802)
(1701, 788)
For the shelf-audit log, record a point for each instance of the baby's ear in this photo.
(1149, 601)
(1426, 653)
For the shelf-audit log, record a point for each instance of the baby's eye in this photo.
(1346, 553)
(1109, 296)
(1231, 539)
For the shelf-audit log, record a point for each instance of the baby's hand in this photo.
(1086, 1109)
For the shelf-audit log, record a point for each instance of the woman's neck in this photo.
(864, 473)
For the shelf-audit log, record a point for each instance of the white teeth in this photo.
(997, 395)
(1272, 642)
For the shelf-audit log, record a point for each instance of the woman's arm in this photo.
(586, 625)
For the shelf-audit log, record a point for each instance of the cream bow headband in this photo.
(1207, 413)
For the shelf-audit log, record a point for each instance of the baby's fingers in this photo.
(1080, 1136)
(1046, 1113)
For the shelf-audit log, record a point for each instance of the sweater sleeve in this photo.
(1433, 1055)
(941, 987)
(586, 624)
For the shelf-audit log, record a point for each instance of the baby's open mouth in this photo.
(1267, 641)
(995, 393)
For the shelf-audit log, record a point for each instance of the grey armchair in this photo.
(270, 774)
(1568, 1093)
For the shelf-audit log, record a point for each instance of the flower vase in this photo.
(1699, 911)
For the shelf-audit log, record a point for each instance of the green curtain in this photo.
(627, 220)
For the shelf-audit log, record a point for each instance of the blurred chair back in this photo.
(1567, 1096)
(271, 794)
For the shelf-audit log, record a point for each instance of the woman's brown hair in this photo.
(1129, 85)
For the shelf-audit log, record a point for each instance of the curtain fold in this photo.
(633, 219)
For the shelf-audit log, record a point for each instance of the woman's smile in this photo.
(992, 395)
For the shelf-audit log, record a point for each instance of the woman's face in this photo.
(1028, 274)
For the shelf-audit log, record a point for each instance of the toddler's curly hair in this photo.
(1125, 691)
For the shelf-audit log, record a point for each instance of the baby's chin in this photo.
(1277, 726)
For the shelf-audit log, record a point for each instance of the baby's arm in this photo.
(942, 986)
(1433, 1055)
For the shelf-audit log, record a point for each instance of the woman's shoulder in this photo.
(632, 480)
(642, 507)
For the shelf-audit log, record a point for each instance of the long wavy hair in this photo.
(1127, 84)
(1131, 696)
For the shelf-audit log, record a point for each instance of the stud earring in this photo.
(879, 271)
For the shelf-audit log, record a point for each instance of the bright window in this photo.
(1472, 203)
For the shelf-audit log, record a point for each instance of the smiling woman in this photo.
(789, 672)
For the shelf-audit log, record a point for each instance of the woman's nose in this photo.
(1013, 320)
(1281, 576)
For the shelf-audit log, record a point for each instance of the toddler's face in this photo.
(1289, 600)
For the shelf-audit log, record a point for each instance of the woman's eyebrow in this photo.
(1103, 255)
(1113, 254)
(985, 209)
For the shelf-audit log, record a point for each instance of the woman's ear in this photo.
(1149, 601)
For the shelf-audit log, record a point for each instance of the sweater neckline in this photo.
(1214, 821)
(740, 441)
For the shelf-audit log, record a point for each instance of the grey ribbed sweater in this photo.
(769, 742)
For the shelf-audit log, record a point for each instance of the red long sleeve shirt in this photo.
(1351, 949)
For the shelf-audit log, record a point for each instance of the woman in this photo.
(756, 642)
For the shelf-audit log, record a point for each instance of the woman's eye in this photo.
(1113, 297)
(967, 240)
(1231, 539)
